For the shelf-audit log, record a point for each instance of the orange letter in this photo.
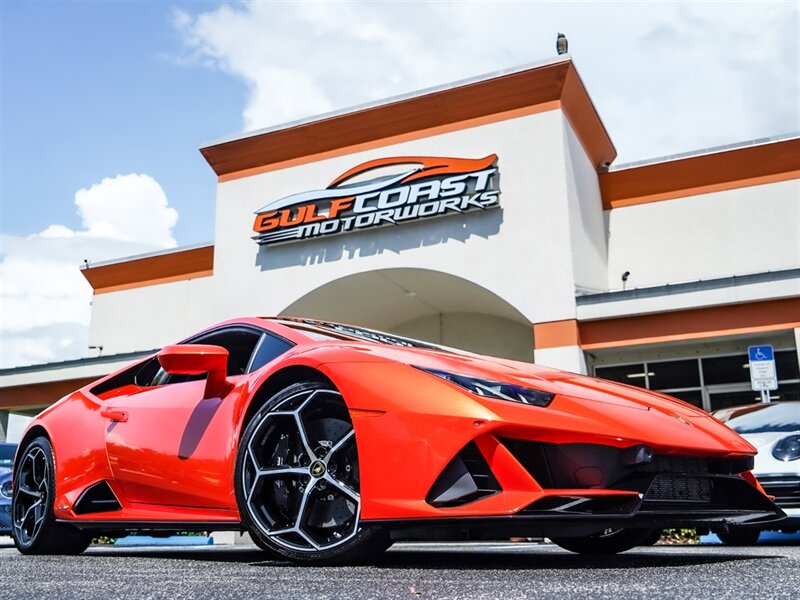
(265, 222)
(339, 205)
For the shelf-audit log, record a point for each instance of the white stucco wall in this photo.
(737, 232)
(480, 333)
(520, 252)
(150, 317)
(589, 239)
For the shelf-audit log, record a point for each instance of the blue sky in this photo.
(105, 104)
(91, 90)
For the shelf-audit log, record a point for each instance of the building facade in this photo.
(485, 215)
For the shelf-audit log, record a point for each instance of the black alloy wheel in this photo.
(297, 479)
(609, 541)
(33, 526)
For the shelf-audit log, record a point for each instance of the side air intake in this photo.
(465, 479)
(97, 498)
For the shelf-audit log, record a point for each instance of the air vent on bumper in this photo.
(465, 479)
(97, 498)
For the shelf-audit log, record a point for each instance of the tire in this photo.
(610, 541)
(33, 524)
(739, 536)
(297, 479)
(655, 536)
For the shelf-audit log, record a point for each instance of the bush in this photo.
(679, 536)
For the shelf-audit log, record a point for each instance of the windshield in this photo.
(782, 417)
(337, 331)
(7, 455)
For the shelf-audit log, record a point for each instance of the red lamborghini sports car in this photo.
(328, 442)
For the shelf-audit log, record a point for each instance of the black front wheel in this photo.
(297, 479)
(33, 526)
(610, 541)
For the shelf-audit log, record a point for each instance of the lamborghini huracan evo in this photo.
(328, 442)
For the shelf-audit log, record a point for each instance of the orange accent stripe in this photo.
(429, 165)
(150, 270)
(37, 395)
(742, 167)
(708, 189)
(406, 137)
(453, 107)
(555, 334)
(698, 323)
(154, 281)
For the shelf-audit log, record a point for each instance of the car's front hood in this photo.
(619, 410)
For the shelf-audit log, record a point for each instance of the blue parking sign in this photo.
(760, 353)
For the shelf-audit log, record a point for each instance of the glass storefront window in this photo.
(710, 382)
(674, 374)
(786, 364)
(632, 374)
(726, 369)
(691, 396)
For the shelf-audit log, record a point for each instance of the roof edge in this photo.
(385, 101)
(554, 84)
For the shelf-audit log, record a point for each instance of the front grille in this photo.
(596, 466)
(681, 489)
(671, 463)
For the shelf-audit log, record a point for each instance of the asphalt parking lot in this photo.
(508, 570)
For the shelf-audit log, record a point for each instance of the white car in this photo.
(774, 429)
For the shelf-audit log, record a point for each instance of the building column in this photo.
(557, 344)
(3, 425)
(797, 343)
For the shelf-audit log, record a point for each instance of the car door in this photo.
(168, 445)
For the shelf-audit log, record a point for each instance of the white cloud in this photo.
(44, 299)
(129, 208)
(666, 78)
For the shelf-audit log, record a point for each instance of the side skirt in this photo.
(157, 526)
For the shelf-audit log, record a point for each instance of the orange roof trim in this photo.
(555, 85)
(698, 323)
(151, 270)
(729, 169)
(555, 334)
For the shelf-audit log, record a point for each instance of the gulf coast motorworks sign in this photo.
(386, 191)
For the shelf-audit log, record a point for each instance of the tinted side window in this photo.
(140, 374)
(238, 341)
(268, 349)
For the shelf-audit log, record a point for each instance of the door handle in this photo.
(120, 416)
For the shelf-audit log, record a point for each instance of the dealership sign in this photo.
(387, 191)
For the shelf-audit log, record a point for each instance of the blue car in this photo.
(5, 503)
(7, 456)
(6, 462)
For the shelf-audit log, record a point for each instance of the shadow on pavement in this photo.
(458, 559)
(550, 560)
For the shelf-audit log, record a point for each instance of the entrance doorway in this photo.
(424, 304)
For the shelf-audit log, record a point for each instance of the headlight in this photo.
(494, 389)
(5, 489)
(787, 448)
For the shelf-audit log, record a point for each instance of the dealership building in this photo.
(487, 215)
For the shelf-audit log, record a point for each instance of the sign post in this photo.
(763, 377)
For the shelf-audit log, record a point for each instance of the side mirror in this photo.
(196, 359)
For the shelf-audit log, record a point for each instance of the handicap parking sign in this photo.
(761, 353)
(763, 376)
